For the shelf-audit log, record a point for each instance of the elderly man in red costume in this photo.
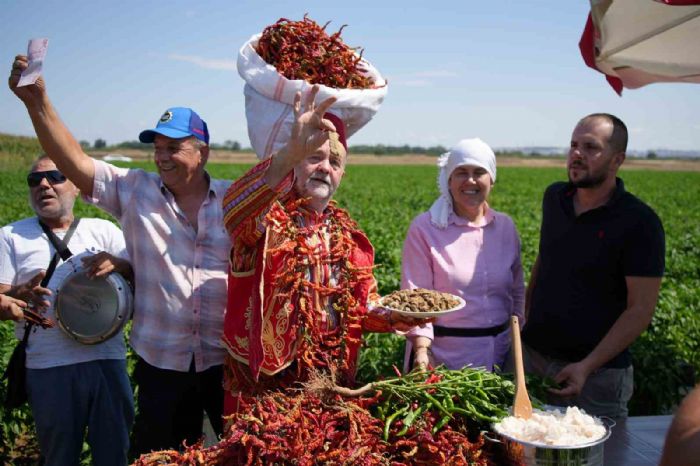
(301, 269)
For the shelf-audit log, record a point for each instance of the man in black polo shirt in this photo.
(595, 283)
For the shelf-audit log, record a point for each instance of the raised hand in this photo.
(27, 94)
(310, 130)
(309, 133)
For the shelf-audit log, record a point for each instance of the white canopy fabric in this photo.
(639, 42)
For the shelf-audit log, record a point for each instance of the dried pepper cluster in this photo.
(305, 429)
(320, 347)
(303, 50)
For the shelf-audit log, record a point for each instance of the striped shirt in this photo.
(180, 274)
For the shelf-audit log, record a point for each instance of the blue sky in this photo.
(507, 71)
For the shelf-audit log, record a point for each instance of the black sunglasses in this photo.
(53, 177)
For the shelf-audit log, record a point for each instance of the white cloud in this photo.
(208, 63)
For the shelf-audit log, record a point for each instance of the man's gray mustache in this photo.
(325, 179)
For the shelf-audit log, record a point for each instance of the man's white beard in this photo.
(321, 191)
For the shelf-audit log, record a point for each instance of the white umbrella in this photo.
(639, 42)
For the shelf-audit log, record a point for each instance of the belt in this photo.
(439, 331)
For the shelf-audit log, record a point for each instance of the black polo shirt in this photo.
(581, 290)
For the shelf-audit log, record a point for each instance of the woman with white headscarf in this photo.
(462, 246)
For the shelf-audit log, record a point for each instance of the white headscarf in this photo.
(467, 152)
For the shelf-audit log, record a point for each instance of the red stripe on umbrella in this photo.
(588, 52)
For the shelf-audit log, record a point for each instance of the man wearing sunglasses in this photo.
(54, 177)
(173, 227)
(71, 387)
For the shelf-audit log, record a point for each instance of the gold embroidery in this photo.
(242, 343)
(275, 326)
(248, 315)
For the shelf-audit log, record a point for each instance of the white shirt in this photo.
(24, 251)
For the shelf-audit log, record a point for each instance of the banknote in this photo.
(36, 51)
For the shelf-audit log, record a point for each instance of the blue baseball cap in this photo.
(176, 123)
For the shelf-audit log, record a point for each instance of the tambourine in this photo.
(92, 310)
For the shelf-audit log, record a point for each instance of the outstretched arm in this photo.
(54, 137)
(249, 198)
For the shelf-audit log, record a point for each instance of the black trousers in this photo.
(171, 406)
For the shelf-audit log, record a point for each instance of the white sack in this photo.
(269, 97)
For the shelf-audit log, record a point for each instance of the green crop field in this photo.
(667, 357)
(384, 199)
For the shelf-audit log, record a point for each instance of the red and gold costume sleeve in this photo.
(377, 319)
(247, 201)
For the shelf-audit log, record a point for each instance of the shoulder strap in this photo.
(62, 251)
(61, 246)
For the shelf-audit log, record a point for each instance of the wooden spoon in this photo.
(521, 404)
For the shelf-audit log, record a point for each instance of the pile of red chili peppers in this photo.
(303, 50)
(302, 428)
(320, 348)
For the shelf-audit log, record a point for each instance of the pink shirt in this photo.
(479, 262)
(180, 274)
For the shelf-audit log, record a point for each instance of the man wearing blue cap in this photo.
(172, 223)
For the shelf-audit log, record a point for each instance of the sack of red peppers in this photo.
(291, 56)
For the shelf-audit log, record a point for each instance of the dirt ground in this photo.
(503, 161)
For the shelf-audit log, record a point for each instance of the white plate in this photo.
(427, 315)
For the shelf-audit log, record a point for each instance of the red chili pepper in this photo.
(303, 50)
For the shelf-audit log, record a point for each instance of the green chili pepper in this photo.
(441, 424)
(437, 404)
(408, 420)
(389, 420)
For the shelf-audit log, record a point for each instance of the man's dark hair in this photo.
(618, 138)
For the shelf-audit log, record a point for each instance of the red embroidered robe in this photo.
(299, 285)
